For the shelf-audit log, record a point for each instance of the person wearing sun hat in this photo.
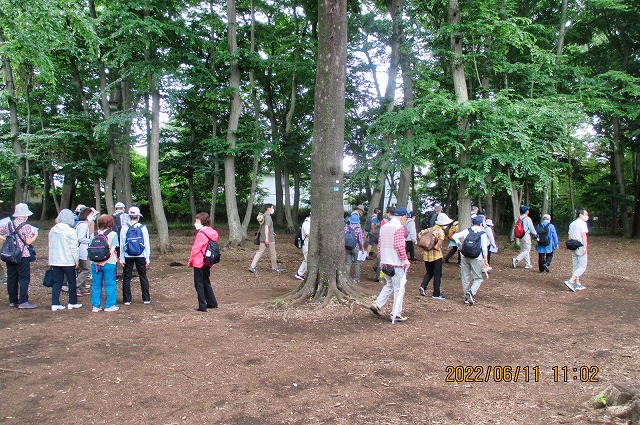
(433, 257)
(19, 275)
(471, 268)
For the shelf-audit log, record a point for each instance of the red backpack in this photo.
(518, 229)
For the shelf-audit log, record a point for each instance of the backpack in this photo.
(518, 229)
(453, 230)
(212, 252)
(367, 224)
(472, 244)
(134, 240)
(350, 241)
(11, 252)
(543, 234)
(427, 240)
(260, 218)
(298, 241)
(428, 218)
(99, 249)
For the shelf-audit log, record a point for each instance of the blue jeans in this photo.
(58, 273)
(108, 272)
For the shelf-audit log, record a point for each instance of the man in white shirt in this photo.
(525, 241)
(471, 266)
(578, 230)
(305, 230)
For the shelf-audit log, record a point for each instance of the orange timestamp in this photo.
(504, 373)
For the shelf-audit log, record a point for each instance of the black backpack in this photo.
(543, 234)
(99, 249)
(350, 240)
(212, 252)
(472, 244)
(298, 241)
(429, 220)
(11, 252)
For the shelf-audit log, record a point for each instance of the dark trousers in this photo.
(409, 248)
(202, 282)
(127, 275)
(544, 259)
(488, 257)
(18, 275)
(58, 273)
(434, 270)
(450, 254)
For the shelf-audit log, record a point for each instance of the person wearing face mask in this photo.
(202, 271)
(578, 230)
(267, 239)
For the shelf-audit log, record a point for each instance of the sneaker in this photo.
(423, 292)
(127, 303)
(252, 269)
(112, 308)
(399, 318)
(299, 277)
(514, 262)
(65, 288)
(146, 302)
(96, 309)
(277, 270)
(72, 306)
(439, 297)
(528, 267)
(545, 267)
(57, 307)
(470, 298)
(580, 287)
(466, 298)
(27, 304)
(83, 292)
(375, 309)
(569, 285)
(13, 304)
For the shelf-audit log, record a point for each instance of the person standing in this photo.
(267, 240)
(392, 253)
(411, 239)
(105, 269)
(83, 232)
(578, 231)
(135, 249)
(547, 243)
(351, 254)
(525, 240)
(433, 257)
(372, 227)
(471, 266)
(202, 271)
(63, 259)
(19, 274)
(305, 230)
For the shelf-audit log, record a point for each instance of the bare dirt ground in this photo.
(247, 363)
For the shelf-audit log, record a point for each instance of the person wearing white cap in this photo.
(135, 249)
(19, 274)
(473, 243)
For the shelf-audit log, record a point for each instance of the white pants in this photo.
(305, 250)
(579, 262)
(471, 272)
(525, 250)
(396, 286)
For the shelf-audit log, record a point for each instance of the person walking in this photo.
(305, 230)
(135, 250)
(471, 264)
(493, 246)
(105, 270)
(578, 230)
(411, 239)
(267, 240)
(547, 243)
(202, 271)
(393, 257)
(525, 239)
(433, 257)
(453, 246)
(372, 227)
(353, 230)
(19, 274)
(63, 259)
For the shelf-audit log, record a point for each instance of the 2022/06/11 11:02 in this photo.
(507, 373)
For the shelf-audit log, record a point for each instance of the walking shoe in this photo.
(57, 307)
(470, 298)
(514, 262)
(27, 304)
(146, 302)
(252, 269)
(528, 267)
(112, 308)
(13, 304)
(127, 303)
(96, 309)
(299, 277)
(399, 318)
(277, 270)
(423, 292)
(545, 267)
(569, 285)
(72, 306)
(65, 288)
(83, 292)
(466, 298)
(375, 309)
(580, 287)
(439, 297)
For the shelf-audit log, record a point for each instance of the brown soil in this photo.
(247, 363)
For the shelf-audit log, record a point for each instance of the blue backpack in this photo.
(134, 240)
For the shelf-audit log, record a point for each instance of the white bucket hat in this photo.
(22, 210)
(443, 220)
(119, 205)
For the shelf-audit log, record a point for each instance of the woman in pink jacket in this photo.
(201, 271)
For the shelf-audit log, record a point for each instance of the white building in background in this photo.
(267, 185)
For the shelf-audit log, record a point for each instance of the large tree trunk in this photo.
(326, 273)
(236, 236)
(618, 160)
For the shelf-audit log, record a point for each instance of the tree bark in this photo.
(618, 160)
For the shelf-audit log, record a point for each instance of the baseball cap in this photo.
(120, 205)
(477, 219)
(135, 211)
(400, 211)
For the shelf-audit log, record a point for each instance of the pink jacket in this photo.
(196, 259)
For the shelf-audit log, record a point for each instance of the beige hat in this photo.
(488, 222)
(546, 217)
(22, 210)
(443, 220)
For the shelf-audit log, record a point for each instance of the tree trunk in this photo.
(68, 189)
(488, 198)
(236, 236)
(192, 191)
(618, 160)
(214, 190)
(516, 198)
(279, 218)
(326, 273)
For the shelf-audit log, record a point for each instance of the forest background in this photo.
(220, 94)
